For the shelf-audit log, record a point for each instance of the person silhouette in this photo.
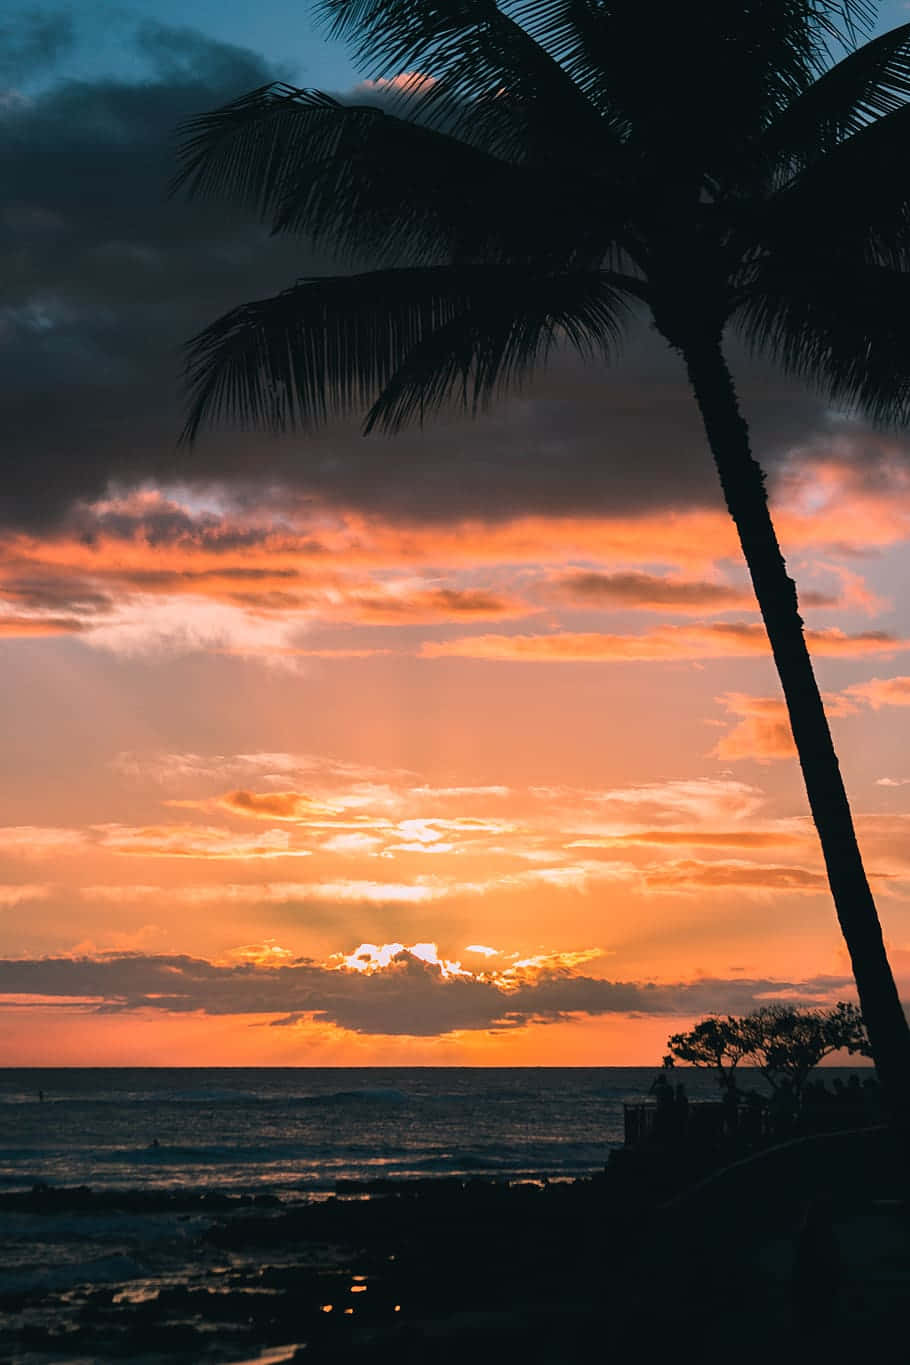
(666, 1107)
(730, 1108)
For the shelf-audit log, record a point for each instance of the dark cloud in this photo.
(106, 278)
(410, 997)
(653, 591)
(47, 594)
(31, 42)
(650, 590)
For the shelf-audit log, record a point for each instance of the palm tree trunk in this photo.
(743, 483)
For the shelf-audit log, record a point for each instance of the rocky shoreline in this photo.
(343, 1276)
(545, 1272)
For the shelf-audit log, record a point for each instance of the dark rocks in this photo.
(393, 1276)
(42, 1198)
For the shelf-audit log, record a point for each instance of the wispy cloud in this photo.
(717, 640)
(196, 841)
(651, 592)
(878, 692)
(12, 894)
(761, 727)
(695, 838)
(294, 806)
(40, 841)
(758, 878)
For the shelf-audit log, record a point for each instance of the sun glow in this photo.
(373, 957)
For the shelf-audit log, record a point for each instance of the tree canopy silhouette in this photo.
(549, 169)
(783, 1042)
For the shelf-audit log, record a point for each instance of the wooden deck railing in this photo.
(712, 1122)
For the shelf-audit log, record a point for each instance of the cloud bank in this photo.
(409, 995)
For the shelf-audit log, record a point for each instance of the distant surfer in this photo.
(155, 1144)
(40, 1096)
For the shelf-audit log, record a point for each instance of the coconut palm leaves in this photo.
(373, 185)
(534, 143)
(412, 337)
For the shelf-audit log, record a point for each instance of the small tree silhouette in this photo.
(783, 1042)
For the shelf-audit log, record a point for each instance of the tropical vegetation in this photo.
(783, 1042)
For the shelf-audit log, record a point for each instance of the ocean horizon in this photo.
(298, 1130)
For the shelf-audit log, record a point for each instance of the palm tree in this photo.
(558, 167)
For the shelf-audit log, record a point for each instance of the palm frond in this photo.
(245, 150)
(841, 23)
(842, 330)
(401, 340)
(495, 344)
(854, 201)
(665, 61)
(869, 84)
(474, 52)
(368, 184)
(396, 191)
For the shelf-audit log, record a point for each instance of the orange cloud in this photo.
(651, 592)
(196, 841)
(394, 608)
(421, 889)
(267, 954)
(762, 728)
(717, 640)
(27, 627)
(335, 563)
(835, 499)
(380, 893)
(716, 801)
(115, 894)
(878, 692)
(405, 83)
(334, 828)
(694, 838)
(151, 567)
(853, 591)
(692, 875)
(246, 548)
(287, 805)
(39, 841)
(11, 895)
(288, 652)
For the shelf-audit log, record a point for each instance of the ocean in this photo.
(296, 1131)
(253, 1136)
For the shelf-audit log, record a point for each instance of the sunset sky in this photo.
(459, 747)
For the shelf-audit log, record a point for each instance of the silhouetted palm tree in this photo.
(560, 165)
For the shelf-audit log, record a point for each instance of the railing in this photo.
(647, 1122)
(706, 1123)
